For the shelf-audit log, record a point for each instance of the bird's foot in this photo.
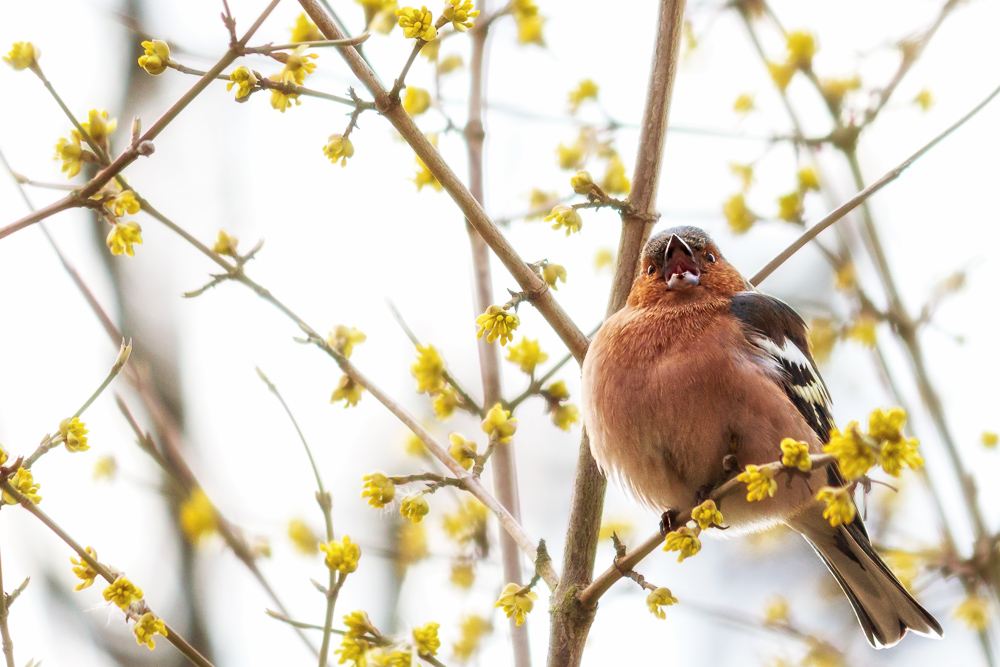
(667, 521)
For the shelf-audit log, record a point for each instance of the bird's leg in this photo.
(667, 521)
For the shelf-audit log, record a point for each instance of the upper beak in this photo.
(680, 269)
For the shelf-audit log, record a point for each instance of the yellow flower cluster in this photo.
(529, 22)
(417, 23)
(83, 571)
(516, 602)
(156, 58)
(22, 55)
(684, 540)
(298, 64)
(243, 79)
(895, 451)
(497, 323)
(303, 538)
(104, 468)
(411, 544)
(553, 273)
(123, 236)
(760, 482)
(74, 433)
(341, 556)
(527, 354)
(744, 103)
(428, 370)
(416, 101)
(415, 507)
(974, 612)
(25, 484)
(147, 627)
(738, 215)
(498, 424)
(347, 391)
(198, 517)
(378, 489)
(225, 244)
(305, 30)
(658, 599)
(585, 90)
(426, 639)
(795, 454)
(854, 454)
(460, 13)
(122, 592)
(281, 101)
(462, 450)
(468, 523)
(99, 125)
(924, 99)
(707, 515)
(776, 611)
(471, 629)
(463, 574)
(343, 339)
(839, 505)
(72, 154)
(565, 216)
(572, 156)
(338, 147)
(790, 207)
(835, 90)
(564, 415)
(583, 183)
(989, 439)
(615, 182)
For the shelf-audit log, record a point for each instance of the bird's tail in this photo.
(884, 607)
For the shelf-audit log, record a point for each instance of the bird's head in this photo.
(683, 263)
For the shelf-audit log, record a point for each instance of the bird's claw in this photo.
(667, 521)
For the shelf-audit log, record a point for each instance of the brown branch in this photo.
(8, 643)
(571, 619)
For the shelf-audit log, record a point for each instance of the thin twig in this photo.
(8, 643)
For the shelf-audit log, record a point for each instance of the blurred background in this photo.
(341, 242)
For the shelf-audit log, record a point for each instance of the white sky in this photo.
(341, 241)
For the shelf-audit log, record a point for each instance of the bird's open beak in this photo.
(680, 269)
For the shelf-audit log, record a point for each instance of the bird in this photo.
(700, 366)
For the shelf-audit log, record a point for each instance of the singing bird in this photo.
(699, 365)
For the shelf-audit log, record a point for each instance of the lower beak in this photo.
(680, 269)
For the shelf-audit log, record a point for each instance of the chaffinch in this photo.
(699, 365)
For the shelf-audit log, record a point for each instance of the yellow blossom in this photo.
(338, 147)
(553, 273)
(22, 55)
(428, 370)
(776, 611)
(822, 337)
(197, 516)
(989, 439)
(411, 544)
(603, 258)
(225, 244)
(863, 330)
(358, 624)
(974, 612)
(414, 446)
(846, 276)
(905, 565)
(541, 201)
(707, 515)
(516, 602)
(894, 454)
(297, 65)
(884, 425)
(795, 454)
(431, 50)
(822, 654)
(570, 157)
(460, 13)
(354, 649)
(123, 236)
(781, 74)
(462, 450)
(808, 179)
(416, 101)
(499, 424)
(744, 103)
(71, 153)
(471, 628)
(24, 483)
(610, 527)
(99, 125)
(801, 47)
(684, 540)
(790, 207)
(104, 468)
(156, 57)
(497, 323)
(529, 28)
(565, 216)
(527, 354)
(450, 63)
(565, 415)
(835, 90)
(384, 18)
(583, 183)
(122, 203)
(839, 505)
(468, 523)
(445, 403)
(123, 592)
(303, 538)
(3, 456)
(347, 391)
(74, 433)
(378, 489)
(760, 482)
(739, 217)
(243, 79)
(282, 101)
(415, 507)
(423, 177)
(417, 23)
(343, 339)
(615, 182)
(146, 627)
(744, 172)
(585, 90)
(463, 574)
(83, 571)
(426, 639)
(924, 100)
(305, 30)
(852, 451)
(658, 599)
(341, 556)
(400, 657)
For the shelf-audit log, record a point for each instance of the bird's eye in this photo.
(710, 257)
(651, 270)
